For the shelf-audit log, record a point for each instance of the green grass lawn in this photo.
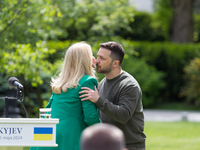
(172, 135)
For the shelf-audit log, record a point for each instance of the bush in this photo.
(171, 59)
(192, 76)
(143, 28)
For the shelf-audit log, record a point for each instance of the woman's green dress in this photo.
(74, 115)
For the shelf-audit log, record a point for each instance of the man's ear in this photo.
(115, 63)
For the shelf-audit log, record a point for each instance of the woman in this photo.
(74, 115)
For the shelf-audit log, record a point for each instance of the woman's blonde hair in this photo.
(77, 63)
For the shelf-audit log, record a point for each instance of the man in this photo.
(119, 98)
(102, 137)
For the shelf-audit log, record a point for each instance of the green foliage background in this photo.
(34, 36)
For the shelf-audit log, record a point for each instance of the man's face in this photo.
(104, 61)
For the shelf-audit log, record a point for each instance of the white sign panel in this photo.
(28, 132)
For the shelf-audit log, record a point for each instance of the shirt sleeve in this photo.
(123, 111)
(90, 110)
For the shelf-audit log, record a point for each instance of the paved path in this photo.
(171, 115)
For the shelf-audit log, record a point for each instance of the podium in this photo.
(28, 132)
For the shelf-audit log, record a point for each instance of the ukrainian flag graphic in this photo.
(43, 133)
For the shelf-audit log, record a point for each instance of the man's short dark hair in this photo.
(102, 137)
(117, 51)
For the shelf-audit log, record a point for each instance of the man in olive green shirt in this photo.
(120, 97)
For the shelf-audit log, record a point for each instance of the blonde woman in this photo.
(74, 115)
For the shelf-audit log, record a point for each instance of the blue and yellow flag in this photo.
(43, 133)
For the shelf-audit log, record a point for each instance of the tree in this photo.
(24, 28)
(86, 19)
(25, 21)
(112, 16)
(182, 21)
(27, 25)
(176, 19)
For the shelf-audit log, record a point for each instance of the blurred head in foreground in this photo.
(102, 137)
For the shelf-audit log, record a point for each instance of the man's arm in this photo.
(122, 112)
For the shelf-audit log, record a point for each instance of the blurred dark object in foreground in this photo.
(13, 106)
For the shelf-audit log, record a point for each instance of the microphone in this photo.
(14, 82)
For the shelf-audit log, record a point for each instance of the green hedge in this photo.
(171, 59)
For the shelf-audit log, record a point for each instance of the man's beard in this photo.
(104, 70)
